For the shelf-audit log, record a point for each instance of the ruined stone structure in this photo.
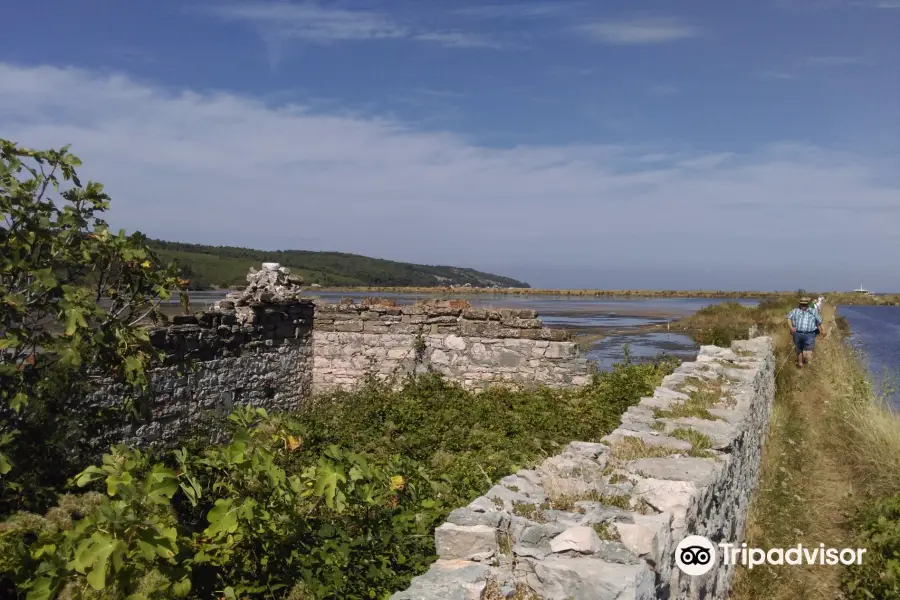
(268, 347)
(475, 347)
(254, 347)
(601, 521)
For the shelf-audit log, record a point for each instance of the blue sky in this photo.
(579, 144)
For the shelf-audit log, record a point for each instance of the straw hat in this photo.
(805, 300)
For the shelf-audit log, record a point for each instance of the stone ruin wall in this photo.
(472, 346)
(642, 506)
(254, 347)
(268, 347)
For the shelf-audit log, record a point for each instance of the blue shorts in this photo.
(805, 341)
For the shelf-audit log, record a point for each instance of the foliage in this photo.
(71, 295)
(469, 440)
(322, 497)
(879, 574)
(226, 266)
(231, 522)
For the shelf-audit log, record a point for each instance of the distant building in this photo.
(861, 290)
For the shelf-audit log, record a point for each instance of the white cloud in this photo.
(521, 10)
(281, 22)
(649, 30)
(220, 168)
(456, 39)
(309, 22)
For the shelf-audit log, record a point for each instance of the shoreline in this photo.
(848, 298)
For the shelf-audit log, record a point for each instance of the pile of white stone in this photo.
(273, 284)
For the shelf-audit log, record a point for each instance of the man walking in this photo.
(805, 324)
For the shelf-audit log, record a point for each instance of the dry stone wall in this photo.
(601, 521)
(475, 347)
(254, 347)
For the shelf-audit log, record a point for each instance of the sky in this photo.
(641, 144)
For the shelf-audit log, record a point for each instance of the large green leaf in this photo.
(222, 518)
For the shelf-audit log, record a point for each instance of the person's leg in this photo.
(799, 347)
(809, 344)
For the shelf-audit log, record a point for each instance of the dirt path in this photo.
(805, 488)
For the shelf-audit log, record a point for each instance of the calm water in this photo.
(611, 317)
(876, 331)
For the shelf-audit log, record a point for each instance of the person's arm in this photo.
(791, 322)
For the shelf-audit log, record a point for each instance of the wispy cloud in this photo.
(280, 22)
(456, 39)
(775, 74)
(830, 61)
(648, 30)
(520, 10)
(309, 22)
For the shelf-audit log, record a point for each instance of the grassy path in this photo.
(819, 464)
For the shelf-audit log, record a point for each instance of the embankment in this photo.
(602, 520)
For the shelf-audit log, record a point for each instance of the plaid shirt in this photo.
(805, 321)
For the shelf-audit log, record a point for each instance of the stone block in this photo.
(563, 578)
(475, 314)
(580, 539)
(441, 319)
(348, 326)
(472, 542)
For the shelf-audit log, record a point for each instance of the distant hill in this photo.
(208, 267)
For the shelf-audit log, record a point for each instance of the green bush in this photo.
(232, 522)
(879, 574)
(285, 511)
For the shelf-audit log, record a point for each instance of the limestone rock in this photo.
(562, 578)
(576, 539)
(473, 542)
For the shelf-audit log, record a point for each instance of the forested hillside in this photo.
(226, 266)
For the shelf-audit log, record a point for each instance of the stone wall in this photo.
(601, 521)
(475, 347)
(254, 347)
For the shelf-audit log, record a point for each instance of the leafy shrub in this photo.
(879, 574)
(232, 522)
(71, 294)
(284, 510)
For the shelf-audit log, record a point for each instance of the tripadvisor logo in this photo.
(696, 555)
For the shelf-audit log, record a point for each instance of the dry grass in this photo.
(830, 448)
(492, 591)
(607, 531)
(698, 403)
(633, 448)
